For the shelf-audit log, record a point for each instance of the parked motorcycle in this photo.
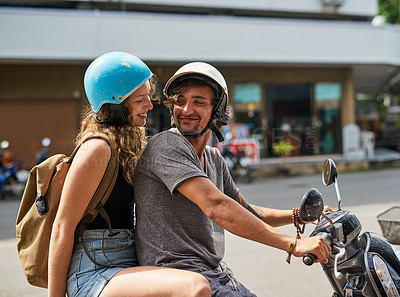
(366, 265)
(13, 176)
(238, 165)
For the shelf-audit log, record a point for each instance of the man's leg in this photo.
(224, 284)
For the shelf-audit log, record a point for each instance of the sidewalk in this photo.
(300, 165)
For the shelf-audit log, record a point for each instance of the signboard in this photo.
(244, 93)
(328, 91)
(248, 147)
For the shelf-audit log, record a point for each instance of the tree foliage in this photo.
(390, 9)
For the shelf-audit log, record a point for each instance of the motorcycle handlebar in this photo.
(309, 259)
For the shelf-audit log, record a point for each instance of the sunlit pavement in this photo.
(265, 271)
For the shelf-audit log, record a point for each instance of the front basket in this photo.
(389, 221)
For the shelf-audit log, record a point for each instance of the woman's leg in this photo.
(145, 281)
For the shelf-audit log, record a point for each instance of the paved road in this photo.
(261, 268)
(264, 269)
(12, 279)
(357, 188)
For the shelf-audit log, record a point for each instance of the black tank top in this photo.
(119, 207)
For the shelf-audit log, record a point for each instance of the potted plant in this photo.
(283, 148)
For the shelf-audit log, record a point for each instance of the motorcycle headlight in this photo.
(384, 276)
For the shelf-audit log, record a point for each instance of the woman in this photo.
(119, 88)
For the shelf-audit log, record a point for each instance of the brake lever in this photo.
(342, 251)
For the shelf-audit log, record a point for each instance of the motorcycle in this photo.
(238, 165)
(13, 176)
(358, 265)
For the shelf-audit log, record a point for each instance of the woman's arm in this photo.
(83, 177)
(273, 217)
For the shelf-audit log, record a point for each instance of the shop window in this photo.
(327, 97)
(288, 111)
(247, 100)
(244, 131)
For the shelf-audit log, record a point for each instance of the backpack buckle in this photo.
(42, 205)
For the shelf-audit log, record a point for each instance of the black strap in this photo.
(91, 258)
(82, 227)
(218, 116)
(104, 253)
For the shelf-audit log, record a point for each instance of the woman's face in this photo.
(139, 104)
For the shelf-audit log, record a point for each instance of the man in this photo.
(185, 197)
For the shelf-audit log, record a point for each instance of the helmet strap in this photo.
(120, 116)
(171, 113)
(218, 115)
(217, 133)
(211, 126)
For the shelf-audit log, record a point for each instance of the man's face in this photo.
(193, 108)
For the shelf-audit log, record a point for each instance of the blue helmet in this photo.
(113, 77)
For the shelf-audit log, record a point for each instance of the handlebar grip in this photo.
(309, 259)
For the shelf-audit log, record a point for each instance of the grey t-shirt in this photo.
(171, 230)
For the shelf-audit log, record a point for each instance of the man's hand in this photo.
(326, 208)
(315, 245)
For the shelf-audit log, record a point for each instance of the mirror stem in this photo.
(329, 220)
(338, 195)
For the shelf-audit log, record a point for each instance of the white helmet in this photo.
(199, 68)
(211, 76)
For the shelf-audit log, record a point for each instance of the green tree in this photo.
(390, 9)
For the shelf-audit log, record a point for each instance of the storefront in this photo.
(301, 105)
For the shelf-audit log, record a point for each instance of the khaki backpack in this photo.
(39, 206)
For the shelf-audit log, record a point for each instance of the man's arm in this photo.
(231, 216)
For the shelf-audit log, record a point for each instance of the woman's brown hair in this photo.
(130, 141)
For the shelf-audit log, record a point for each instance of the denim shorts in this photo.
(86, 279)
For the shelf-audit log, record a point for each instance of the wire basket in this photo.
(389, 221)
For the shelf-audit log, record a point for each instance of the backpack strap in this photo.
(101, 194)
(106, 185)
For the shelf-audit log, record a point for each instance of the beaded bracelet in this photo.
(292, 245)
(297, 221)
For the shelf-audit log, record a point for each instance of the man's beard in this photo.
(189, 131)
